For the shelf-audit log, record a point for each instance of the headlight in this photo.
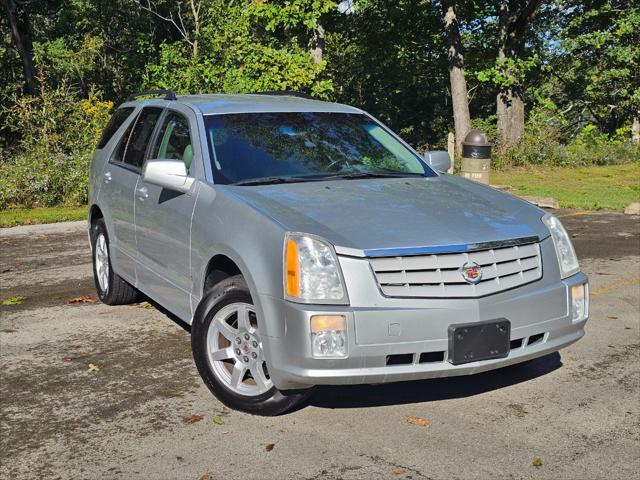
(311, 271)
(564, 249)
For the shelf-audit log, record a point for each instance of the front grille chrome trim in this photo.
(456, 248)
(438, 275)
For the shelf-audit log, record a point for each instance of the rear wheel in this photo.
(111, 288)
(227, 349)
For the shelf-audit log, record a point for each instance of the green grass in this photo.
(31, 216)
(610, 187)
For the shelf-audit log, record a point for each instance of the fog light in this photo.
(579, 303)
(328, 336)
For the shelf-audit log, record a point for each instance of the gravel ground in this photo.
(577, 411)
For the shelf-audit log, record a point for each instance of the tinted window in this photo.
(118, 155)
(174, 140)
(304, 144)
(117, 119)
(142, 130)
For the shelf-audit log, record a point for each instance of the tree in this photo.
(20, 28)
(243, 47)
(597, 64)
(189, 30)
(390, 58)
(514, 17)
(459, 96)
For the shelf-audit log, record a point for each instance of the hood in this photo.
(390, 213)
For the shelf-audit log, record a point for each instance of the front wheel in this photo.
(227, 349)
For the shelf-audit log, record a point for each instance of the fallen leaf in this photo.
(82, 299)
(15, 300)
(218, 421)
(537, 462)
(193, 419)
(146, 306)
(399, 471)
(611, 317)
(269, 447)
(421, 422)
(93, 368)
(206, 476)
(519, 409)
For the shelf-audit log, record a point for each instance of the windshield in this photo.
(305, 145)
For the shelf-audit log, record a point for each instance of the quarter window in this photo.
(117, 119)
(174, 140)
(118, 155)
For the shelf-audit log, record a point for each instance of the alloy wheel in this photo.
(102, 263)
(235, 350)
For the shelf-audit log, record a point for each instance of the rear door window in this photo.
(117, 119)
(141, 134)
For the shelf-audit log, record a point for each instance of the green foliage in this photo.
(507, 72)
(50, 163)
(595, 68)
(579, 69)
(389, 58)
(260, 46)
(542, 144)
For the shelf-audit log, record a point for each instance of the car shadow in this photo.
(174, 318)
(432, 390)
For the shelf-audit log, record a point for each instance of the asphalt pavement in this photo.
(91, 391)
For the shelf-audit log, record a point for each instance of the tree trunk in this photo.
(635, 130)
(510, 112)
(318, 51)
(512, 25)
(459, 96)
(21, 36)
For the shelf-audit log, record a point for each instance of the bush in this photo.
(542, 144)
(57, 133)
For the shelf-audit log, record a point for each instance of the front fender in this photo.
(224, 226)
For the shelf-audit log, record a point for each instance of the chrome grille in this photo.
(439, 275)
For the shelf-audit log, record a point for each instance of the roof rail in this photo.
(168, 94)
(288, 93)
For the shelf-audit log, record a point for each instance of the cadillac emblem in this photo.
(471, 272)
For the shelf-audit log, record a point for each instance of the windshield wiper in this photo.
(272, 180)
(356, 175)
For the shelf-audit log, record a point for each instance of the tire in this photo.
(111, 288)
(227, 350)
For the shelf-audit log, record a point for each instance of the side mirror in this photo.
(169, 174)
(439, 160)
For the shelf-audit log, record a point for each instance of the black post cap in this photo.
(475, 145)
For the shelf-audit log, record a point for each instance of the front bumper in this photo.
(383, 330)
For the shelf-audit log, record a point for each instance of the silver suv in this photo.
(306, 244)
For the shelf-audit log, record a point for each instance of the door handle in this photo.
(107, 177)
(143, 193)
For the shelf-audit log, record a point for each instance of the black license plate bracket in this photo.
(472, 342)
